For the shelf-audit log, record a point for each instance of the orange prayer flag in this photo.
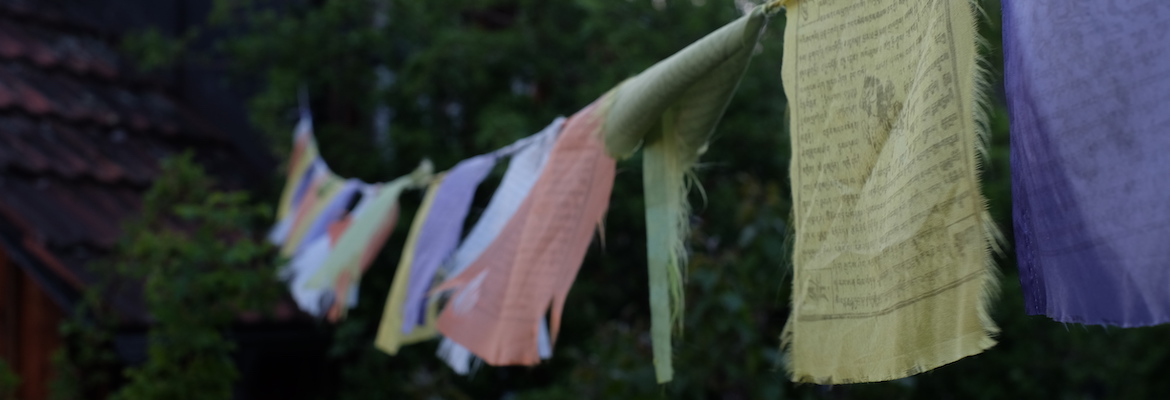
(498, 302)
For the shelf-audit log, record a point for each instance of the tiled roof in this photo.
(81, 137)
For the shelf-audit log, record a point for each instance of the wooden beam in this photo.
(40, 319)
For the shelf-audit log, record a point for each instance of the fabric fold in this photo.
(673, 107)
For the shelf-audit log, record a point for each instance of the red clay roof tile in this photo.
(24, 96)
(10, 43)
(81, 140)
(100, 167)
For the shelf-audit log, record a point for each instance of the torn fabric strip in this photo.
(674, 107)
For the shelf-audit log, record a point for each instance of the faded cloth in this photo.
(444, 224)
(1088, 88)
(523, 170)
(891, 256)
(673, 107)
(315, 209)
(364, 236)
(498, 302)
(319, 301)
(432, 242)
(390, 335)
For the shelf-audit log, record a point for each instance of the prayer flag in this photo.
(674, 107)
(318, 301)
(363, 237)
(439, 227)
(315, 209)
(391, 336)
(892, 264)
(304, 154)
(523, 170)
(440, 234)
(498, 302)
(1088, 90)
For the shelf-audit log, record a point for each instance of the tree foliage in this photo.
(200, 261)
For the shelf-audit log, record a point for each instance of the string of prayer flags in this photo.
(364, 236)
(1088, 90)
(318, 301)
(440, 235)
(434, 239)
(331, 228)
(523, 170)
(498, 302)
(892, 265)
(674, 107)
(313, 205)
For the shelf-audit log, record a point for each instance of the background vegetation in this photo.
(199, 257)
(394, 80)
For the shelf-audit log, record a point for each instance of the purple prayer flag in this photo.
(1088, 89)
(441, 231)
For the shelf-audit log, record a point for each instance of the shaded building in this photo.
(82, 133)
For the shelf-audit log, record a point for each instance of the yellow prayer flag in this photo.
(304, 152)
(892, 251)
(390, 337)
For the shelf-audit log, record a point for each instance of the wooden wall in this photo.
(28, 329)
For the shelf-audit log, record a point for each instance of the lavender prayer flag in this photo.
(1088, 88)
(440, 234)
(443, 227)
